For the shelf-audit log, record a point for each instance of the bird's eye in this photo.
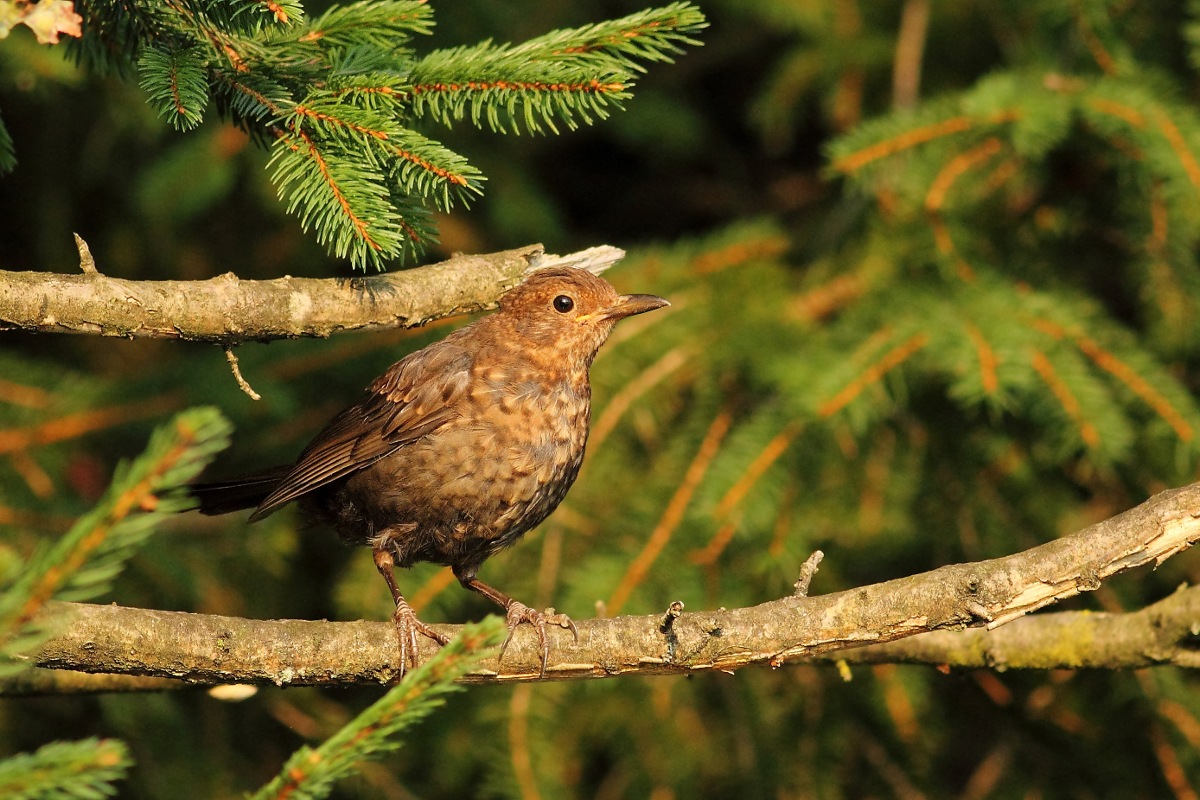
(563, 304)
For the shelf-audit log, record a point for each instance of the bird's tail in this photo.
(237, 494)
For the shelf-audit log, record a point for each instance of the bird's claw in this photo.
(518, 612)
(407, 628)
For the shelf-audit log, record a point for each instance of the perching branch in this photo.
(211, 649)
(1166, 632)
(228, 310)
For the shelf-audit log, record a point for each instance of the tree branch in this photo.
(212, 649)
(228, 310)
(1167, 632)
(1164, 633)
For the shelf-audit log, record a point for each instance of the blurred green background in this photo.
(731, 179)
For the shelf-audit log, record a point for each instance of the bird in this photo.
(458, 449)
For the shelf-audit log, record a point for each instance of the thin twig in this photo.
(232, 358)
(86, 262)
(673, 612)
(808, 571)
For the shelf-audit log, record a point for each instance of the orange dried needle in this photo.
(873, 374)
(821, 302)
(716, 545)
(136, 497)
(1065, 397)
(738, 253)
(1122, 372)
(957, 167)
(988, 362)
(1187, 159)
(1119, 110)
(71, 426)
(1136, 383)
(18, 394)
(926, 133)
(441, 580)
(518, 738)
(670, 361)
(761, 463)
(674, 513)
(733, 498)
(1103, 58)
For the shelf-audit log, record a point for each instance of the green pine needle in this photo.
(311, 772)
(655, 34)
(571, 76)
(281, 12)
(176, 82)
(424, 168)
(82, 564)
(346, 158)
(383, 24)
(253, 97)
(340, 195)
(85, 770)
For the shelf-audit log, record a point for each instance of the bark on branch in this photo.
(1165, 633)
(228, 310)
(211, 649)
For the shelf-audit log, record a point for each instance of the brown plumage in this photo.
(459, 448)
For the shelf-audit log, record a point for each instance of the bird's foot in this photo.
(407, 628)
(517, 613)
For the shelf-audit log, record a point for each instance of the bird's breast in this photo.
(535, 428)
(499, 468)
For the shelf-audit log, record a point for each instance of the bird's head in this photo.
(570, 310)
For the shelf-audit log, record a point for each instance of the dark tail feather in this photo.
(237, 494)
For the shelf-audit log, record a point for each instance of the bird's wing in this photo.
(414, 398)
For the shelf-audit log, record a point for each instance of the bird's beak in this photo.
(629, 304)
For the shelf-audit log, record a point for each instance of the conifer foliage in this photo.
(971, 329)
(81, 565)
(339, 98)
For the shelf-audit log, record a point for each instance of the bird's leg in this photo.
(404, 618)
(516, 612)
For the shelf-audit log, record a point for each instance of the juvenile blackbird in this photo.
(459, 448)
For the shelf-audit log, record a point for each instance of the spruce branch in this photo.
(109, 639)
(950, 159)
(83, 562)
(337, 98)
(85, 769)
(255, 98)
(227, 310)
(342, 198)
(413, 164)
(1064, 363)
(176, 84)
(440, 174)
(571, 75)
(380, 24)
(311, 772)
